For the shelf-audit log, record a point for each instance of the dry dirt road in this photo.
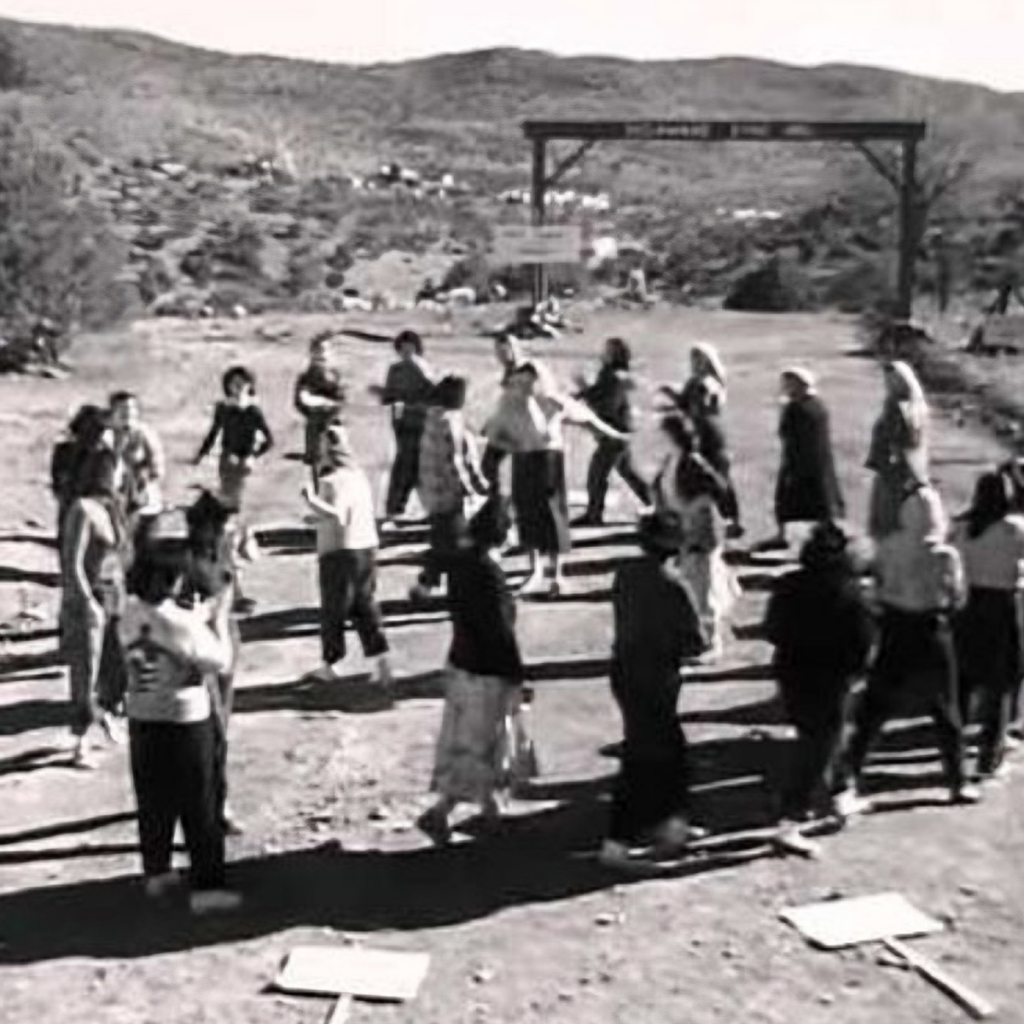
(521, 925)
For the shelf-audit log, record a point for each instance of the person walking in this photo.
(347, 543)
(920, 585)
(319, 397)
(656, 629)
(483, 749)
(807, 489)
(609, 397)
(174, 760)
(990, 539)
(822, 629)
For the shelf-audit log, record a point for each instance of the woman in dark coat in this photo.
(656, 630)
(807, 490)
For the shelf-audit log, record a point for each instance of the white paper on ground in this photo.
(834, 924)
(364, 973)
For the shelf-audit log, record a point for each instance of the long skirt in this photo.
(713, 589)
(483, 747)
(541, 502)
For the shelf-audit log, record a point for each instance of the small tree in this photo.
(59, 258)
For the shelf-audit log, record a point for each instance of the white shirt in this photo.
(354, 526)
(995, 560)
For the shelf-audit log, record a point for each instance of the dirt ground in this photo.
(522, 924)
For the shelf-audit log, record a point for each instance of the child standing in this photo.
(346, 542)
(319, 398)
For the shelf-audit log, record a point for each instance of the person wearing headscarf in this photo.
(821, 626)
(483, 748)
(451, 484)
(688, 486)
(176, 767)
(509, 353)
(530, 422)
(657, 629)
(407, 392)
(919, 587)
(347, 543)
(807, 489)
(609, 396)
(990, 539)
(898, 455)
(95, 555)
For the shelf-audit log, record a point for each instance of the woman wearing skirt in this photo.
(483, 747)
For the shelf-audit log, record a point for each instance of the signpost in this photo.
(515, 245)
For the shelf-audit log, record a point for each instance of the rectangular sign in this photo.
(726, 131)
(516, 244)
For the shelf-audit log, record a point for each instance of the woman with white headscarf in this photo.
(898, 455)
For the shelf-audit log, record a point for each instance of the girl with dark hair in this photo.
(820, 623)
(93, 559)
(990, 538)
(483, 747)
(609, 397)
(319, 397)
(407, 392)
(451, 484)
(176, 765)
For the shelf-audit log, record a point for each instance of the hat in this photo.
(661, 532)
(802, 374)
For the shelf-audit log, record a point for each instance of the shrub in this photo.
(13, 69)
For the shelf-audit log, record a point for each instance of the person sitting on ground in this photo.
(319, 398)
(822, 628)
(990, 651)
(483, 748)
(657, 629)
(451, 484)
(173, 735)
(139, 448)
(346, 543)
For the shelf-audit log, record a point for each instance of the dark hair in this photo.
(620, 354)
(88, 424)
(450, 392)
(409, 338)
(121, 397)
(679, 429)
(490, 526)
(241, 373)
(827, 548)
(98, 471)
(992, 501)
(157, 570)
(528, 367)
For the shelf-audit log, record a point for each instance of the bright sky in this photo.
(974, 40)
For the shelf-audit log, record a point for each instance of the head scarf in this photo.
(908, 395)
(713, 365)
(802, 374)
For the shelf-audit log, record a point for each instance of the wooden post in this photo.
(909, 231)
(538, 191)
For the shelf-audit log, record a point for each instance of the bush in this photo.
(60, 260)
(774, 287)
(13, 69)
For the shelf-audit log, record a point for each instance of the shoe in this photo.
(229, 823)
(386, 525)
(734, 531)
(588, 519)
(83, 758)
(113, 727)
(850, 803)
(534, 584)
(556, 588)
(435, 826)
(965, 796)
(214, 901)
(158, 886)
(789, 839)
(323, 674)
(249, 550)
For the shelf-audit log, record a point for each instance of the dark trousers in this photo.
(490, 466)
(175, 770)
(815, 755)
(912, 646)
(448, 533)
(654, 777)
(348, 582)
(612, 455)
(405, 471)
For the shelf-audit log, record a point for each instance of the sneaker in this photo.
(850, 803)
(965, 796)
(214, 901)
(158, 886)
(789, 839)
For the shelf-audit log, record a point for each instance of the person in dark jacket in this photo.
(319, 398)
(483, 747)
(821, 626)
(807, 489)
(656, 629)
(609, 397)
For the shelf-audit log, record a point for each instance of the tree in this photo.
(59, 258)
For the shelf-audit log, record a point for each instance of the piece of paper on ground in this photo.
(834, 924)
(365, 973)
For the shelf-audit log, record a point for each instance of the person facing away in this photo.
(508, 352)
(139, 448)
(657, 629)
(407, 391)
(822, 629)
(990, 539)
(347, 542)
(319, 397)
(920, 584)
(609, 396)
(170, 650)
(807, 489)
